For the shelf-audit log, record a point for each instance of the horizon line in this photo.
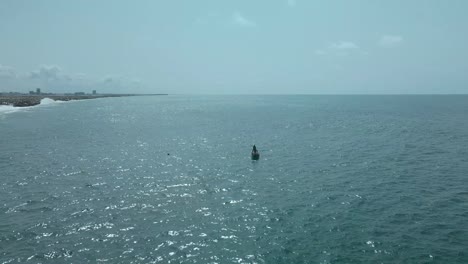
(248, 94)
(327, 94)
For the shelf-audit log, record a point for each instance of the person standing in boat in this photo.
(255, 155)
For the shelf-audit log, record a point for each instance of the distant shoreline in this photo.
(20, 100)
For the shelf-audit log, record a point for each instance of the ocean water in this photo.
(168, 179)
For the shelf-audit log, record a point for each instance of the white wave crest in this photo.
(6, 109)
(47, 101)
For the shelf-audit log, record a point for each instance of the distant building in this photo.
(38, 91)
(79, 93)
(94, 92)
(32, 92)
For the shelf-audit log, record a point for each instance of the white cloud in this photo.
(390, 41)
(341, 48)
(344, 45)
(208, 18)
(320, 52)
(109, 79)
(240, 20)
(292, 3)
(119, 82)
(51, 78)
(47, 73)
(7, 72)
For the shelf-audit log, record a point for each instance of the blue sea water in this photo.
(168, 179)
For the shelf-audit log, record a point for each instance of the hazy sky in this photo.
(244, 46)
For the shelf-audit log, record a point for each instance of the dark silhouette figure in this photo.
(255, 155)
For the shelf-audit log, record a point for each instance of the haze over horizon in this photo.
(235, 47)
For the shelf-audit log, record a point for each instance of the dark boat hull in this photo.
(255, 156)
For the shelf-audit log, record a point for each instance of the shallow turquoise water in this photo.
(341, 179)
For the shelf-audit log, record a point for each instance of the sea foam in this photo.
(47, 101)
(7, 109)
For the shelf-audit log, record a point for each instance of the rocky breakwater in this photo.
(31, 100)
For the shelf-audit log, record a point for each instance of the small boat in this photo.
(255, 155)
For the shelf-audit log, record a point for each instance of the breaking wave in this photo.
(8, 109)
(47, 101)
